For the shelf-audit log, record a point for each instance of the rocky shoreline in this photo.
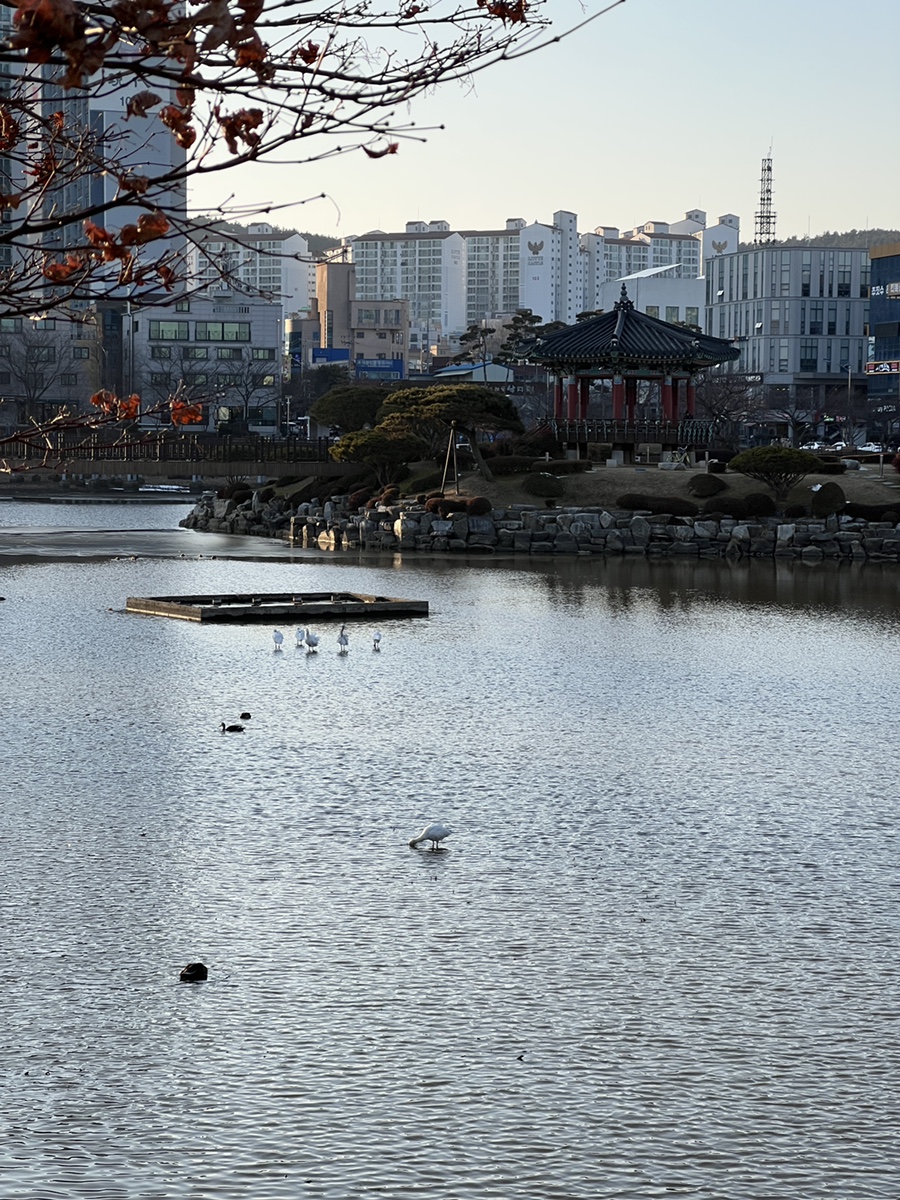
(521, 529)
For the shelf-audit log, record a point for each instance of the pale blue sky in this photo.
(657, 107)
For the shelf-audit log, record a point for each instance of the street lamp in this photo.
(845, 366)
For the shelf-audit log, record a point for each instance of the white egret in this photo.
(277, 638)
(433, 833)
(376, 640)
(311, 640)
(343, 641)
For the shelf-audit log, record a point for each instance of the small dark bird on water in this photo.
(194, 973)
(232, 728)
(246, 716)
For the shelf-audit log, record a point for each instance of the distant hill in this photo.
(853, 239)
(320, 242)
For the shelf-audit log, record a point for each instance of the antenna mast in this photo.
(765, 217)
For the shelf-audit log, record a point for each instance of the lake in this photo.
(658, 956)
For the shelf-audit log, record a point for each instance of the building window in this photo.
(382, 334)
(169, 331)
(832, 320)
(783, 356)
(41, 353)
(360, 334)
(196, 380)
(672, 311)
(222, 331)
(263, 354)
(68, 379)
(229, 352)
(692, 316)
(77, 351)
(10, 324)
(809, 355)
(160, 351)
(229, 380)
(815, 317)
(182, 306)
(652, 310)
(159, 379)
(195, 351)
(5, 377)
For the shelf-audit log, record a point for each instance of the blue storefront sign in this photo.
(378, 368)
(329, 354)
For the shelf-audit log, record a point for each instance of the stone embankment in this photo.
(531, 529)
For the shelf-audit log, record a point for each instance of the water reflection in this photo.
(657, 958)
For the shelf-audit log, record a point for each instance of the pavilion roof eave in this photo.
(625, 339)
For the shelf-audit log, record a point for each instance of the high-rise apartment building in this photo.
(799, 313)
(454, 280)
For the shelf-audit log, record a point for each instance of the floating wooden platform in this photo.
(275, 607)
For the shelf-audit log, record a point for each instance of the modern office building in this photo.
(372, 337)
(222, 351)
(883, 371)
(799, 313)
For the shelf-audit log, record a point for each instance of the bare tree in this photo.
(111, 109)
(725, 399)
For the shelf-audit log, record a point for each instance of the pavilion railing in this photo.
(684, 433)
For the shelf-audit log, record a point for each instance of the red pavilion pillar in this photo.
(572, 398)
(691, 399)
(666, 397)
(557, 399)
(618, 398)
(584, 397)
(676, 400)
(630, 399)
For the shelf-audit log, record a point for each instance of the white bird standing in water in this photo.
(376, 640)
(433, 833)
(277, 638)
(343, 641)
(311, 641)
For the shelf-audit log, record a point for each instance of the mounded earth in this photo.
(602, 486)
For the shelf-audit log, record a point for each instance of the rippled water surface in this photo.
(659, 956)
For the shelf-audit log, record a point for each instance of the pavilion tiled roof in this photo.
(627, 338)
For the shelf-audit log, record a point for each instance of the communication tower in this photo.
(765, 218)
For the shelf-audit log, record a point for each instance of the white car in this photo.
(871, 448)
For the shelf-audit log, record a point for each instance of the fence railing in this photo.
(152, 447)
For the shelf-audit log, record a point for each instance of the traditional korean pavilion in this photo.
(626, 347)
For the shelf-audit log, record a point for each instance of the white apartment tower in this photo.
(424, 265)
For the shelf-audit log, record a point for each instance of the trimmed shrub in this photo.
(447, 506)
(760, 504)
(511, 464)
(716, 467)
(706, 485)
(831, 467)
(757, 504)
(433, 504)
(675, 506)
(599, 451)
(547, 486)
(795, 510)
(633, 500)
(357, 499)
(828, 500)
(562, 466)
(870, 512)
(721, 454)
(479, 506)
